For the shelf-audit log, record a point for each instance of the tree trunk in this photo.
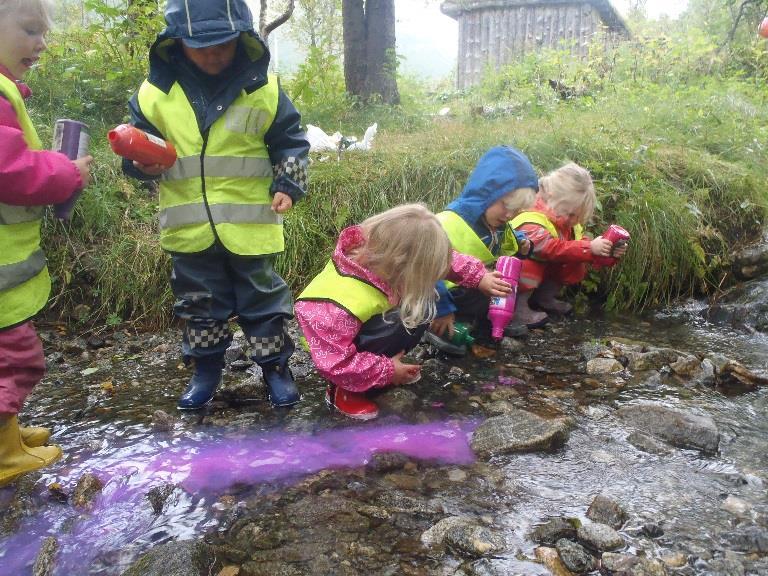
(355, 45)
(370, 61)
(382, 57)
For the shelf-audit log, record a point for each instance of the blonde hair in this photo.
(407, 247)
(519, 200)
(569, 189)
(39, 8)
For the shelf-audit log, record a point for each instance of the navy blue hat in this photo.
(203, 23)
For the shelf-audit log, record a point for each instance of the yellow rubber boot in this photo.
(33, 436)
(16, 458)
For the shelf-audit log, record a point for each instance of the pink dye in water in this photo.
(121, 517)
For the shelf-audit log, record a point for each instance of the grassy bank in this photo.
(684, 169)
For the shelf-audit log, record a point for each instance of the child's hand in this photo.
(83, 166)
(600, 246)
(524, 247)
(281, 202)
(619, 249)
(443, 325)
(404, 373)
(493, 285)
(149, 169)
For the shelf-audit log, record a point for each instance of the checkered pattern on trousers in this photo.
(294, 169)
(262, 346)
(206, 337)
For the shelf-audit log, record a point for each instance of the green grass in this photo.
(683, 169)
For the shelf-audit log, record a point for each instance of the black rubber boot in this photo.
(204, 382)
(281, 387)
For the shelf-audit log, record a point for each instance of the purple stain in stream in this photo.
(121, 518)
(438, 404)
(510, 381)
(488, 387)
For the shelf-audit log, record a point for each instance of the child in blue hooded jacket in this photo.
(502, 184)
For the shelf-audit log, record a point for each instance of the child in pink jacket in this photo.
(30, 178)
(375, 299)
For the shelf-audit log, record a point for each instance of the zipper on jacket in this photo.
(202, 187)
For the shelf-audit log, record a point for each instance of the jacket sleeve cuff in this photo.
(290, 177)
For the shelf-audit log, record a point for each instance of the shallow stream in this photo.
(235, 459)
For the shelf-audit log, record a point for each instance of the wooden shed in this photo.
(494, 32)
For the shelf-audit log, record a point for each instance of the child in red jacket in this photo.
(30, 178)
(561, 252)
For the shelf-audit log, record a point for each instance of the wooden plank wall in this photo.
(495, 36)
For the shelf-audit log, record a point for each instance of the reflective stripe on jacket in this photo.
(219, 185)
(357, 297)
(24, 280)
(541, 219)
(464, 239)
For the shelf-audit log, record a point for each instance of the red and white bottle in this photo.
(618, 237)
(502, 308)
(134, 144)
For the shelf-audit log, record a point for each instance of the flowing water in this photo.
(102, 420)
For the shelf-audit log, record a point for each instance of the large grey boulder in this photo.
(680, 429)
(519, 431)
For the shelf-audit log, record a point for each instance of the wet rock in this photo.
(178, 558)
(686, 366)
(162, 421)
(651, 530)
(553, 530)
(245, 389)
(727, 567)
(674, 559)
(604, 366)
(626, 565)
(88, 487)
(387, 461)
(435, 535)
(398, 400)
(647, 443)
(735, 377)
(511, 346)
(75, 346)
(321, 510)
(600, 537)
(472, 540)
(575, 557)
(551, 559)
(408, 482)
(736, 506)
(96, 342)
(606, 510)
(519, 431)
(751, 539)
(744, 307)
(46, 559)
(752, 261)
(159, 495)
(680, 429)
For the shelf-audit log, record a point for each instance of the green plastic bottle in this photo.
(461, 335)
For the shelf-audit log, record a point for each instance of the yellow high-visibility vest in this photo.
(24, 280)
(219, 185)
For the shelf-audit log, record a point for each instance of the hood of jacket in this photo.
(201, 21)
(499, 171)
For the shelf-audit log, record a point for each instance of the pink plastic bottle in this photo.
(617, 235)
(502, 308)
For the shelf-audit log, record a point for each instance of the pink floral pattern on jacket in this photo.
(30, 177)
(330, 330)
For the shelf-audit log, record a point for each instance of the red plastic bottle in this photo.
(618, 236)
(763, 29)
(502, 308)
(134, 144)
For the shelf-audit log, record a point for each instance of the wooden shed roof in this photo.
(608, 14)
